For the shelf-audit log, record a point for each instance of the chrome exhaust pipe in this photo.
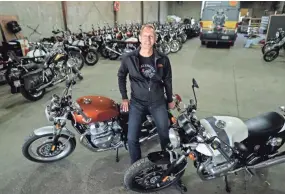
(46, 85)
(271, 162)
(113, 51)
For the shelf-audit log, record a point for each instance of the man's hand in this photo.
(171, 105)
(125, 105)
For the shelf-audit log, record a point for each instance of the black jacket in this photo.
(141, 90)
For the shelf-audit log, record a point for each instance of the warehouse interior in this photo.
(240, 73)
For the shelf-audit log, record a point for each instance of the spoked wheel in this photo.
(43, 153)
(77, 58)
(91, 58)
(143, 175)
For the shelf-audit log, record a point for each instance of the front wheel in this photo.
(91, 58)
(174, 46)
(143, 174)
(42, 152)
(271, 55)
(266, 46)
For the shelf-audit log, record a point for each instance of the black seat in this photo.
(265, 124)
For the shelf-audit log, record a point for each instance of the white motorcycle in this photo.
(217, 145)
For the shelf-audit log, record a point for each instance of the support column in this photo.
(64, 14)
(142, 12)
(158, 12)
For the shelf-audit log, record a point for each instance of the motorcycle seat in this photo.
(265, 124)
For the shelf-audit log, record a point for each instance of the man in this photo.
(149, 73)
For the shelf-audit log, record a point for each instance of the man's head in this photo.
(147, 36)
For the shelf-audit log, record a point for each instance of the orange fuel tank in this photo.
(98, 108)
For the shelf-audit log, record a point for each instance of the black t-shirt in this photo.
(147, 66)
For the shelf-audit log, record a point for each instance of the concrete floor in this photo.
(232, 81)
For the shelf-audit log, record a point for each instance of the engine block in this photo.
(105, 134)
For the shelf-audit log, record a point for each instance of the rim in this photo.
(36, 94)
(271, 55)
(174, 46)
(76, 59)
(91, 57)
(146, 179)
(42, 151)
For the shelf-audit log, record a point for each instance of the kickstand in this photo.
(117, 155)
(181, 186)
(228, 189)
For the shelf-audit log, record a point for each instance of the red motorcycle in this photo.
(98, 120)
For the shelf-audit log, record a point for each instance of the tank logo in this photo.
(221, 124)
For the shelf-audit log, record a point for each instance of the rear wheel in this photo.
(142, 176)
(32, 96)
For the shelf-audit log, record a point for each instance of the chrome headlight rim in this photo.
(174, 138)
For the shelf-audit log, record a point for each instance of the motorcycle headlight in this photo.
(277, 34)
(174, 138)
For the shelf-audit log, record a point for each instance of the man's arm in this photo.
(122, 79)
(168, 80)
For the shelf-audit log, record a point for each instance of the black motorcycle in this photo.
(280, 34)
(272, 52)
(31, 79)
(217, 145)
(84, 43)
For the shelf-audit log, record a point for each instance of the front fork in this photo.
(57, 133)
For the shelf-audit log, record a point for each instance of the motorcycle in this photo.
(272, 52)
(3, 69)
(89, 52)
(280, 34)
(31, 79)
(99, 121)
(217, 145)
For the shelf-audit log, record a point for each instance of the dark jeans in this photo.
(136, 113)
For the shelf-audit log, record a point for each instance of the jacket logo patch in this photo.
(159, 65)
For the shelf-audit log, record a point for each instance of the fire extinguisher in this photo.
(116, 6)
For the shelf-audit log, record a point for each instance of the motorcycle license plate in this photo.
(17, 83)
(225, 37)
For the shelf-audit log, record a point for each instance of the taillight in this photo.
(201, 24)
(236, 25)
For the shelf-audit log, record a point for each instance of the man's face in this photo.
(147, 38)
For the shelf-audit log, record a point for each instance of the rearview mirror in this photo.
(194, 83)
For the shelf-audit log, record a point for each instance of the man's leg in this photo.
(160, 116)
(134, 126)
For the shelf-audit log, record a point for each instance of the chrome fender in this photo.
(50, 129)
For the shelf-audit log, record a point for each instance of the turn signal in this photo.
(173, 120)
(165, 179)
(53, 148)
(192, 156)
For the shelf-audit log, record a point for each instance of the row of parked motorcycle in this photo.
(273, 46)
(50, 60)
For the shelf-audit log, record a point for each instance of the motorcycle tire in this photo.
(184, 38)
(139, 166)
(32, 97)
(165, 48)
(80, 56)
(33, 137)
(174, 46)
(265, 46)
(95, 59)
(268, 52)
(104, 53)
